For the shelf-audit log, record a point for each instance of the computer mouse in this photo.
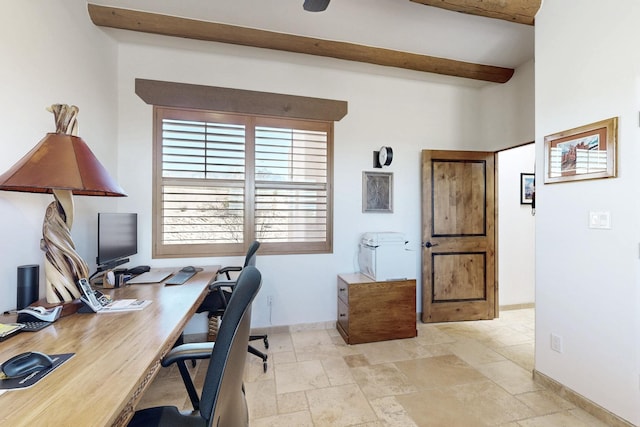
(188, 269)
(25, 364)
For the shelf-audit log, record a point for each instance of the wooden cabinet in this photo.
(375, 311)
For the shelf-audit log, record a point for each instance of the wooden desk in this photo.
(116, 357)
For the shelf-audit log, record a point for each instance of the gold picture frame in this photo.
(585, 152)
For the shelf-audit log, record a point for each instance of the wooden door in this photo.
(458, 236)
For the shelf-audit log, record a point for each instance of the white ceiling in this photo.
(394, 24)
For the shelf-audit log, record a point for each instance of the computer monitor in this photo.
(117, 239)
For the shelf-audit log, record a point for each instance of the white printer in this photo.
(384, 256)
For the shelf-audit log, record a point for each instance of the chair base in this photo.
(264, 338)
(261, 355)
(257, 352)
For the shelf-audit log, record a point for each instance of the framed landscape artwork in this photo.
(586, 152)
(527, 188)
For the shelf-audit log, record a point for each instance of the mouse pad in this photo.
(29, 380)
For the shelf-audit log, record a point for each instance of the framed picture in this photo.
(586, 152)
(527, 188)
(377, 192)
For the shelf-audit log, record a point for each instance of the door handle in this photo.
(430, 245)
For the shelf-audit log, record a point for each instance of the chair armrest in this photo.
(224, 288)
(222, 284)
(226, 270)
(191, 351)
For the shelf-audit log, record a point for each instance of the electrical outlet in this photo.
(556, 343)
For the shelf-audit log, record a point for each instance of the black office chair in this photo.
(215, 302)
(223, 400)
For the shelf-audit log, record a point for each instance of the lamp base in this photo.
(63, 266)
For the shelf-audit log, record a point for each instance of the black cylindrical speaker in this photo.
(28, 285)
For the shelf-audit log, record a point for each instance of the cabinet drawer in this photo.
(343, 316)
(343, 291)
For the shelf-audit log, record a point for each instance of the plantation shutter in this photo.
(202, 191)
(225, 180)
(291, 184)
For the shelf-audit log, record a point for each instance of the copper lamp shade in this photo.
(61, 164)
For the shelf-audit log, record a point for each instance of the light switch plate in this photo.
(600, 219)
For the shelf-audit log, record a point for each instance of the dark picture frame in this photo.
(377, 192)
(527, 188)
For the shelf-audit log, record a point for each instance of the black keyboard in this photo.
(180, 277)
(138, 270)
(34, 326)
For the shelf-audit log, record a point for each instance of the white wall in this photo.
(408, 113)
(507, 111)
(406, 110)
(587, 288)
(516, 229)
(507, 120)
(51, 53)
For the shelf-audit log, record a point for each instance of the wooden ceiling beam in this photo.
(210, 31)
(520, 11)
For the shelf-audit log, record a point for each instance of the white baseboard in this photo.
(580, 401)
(517, 306)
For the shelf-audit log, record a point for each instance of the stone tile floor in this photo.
(451, 374)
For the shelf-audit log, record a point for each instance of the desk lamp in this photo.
(61, 164)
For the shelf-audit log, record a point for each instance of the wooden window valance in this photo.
(212, 98)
